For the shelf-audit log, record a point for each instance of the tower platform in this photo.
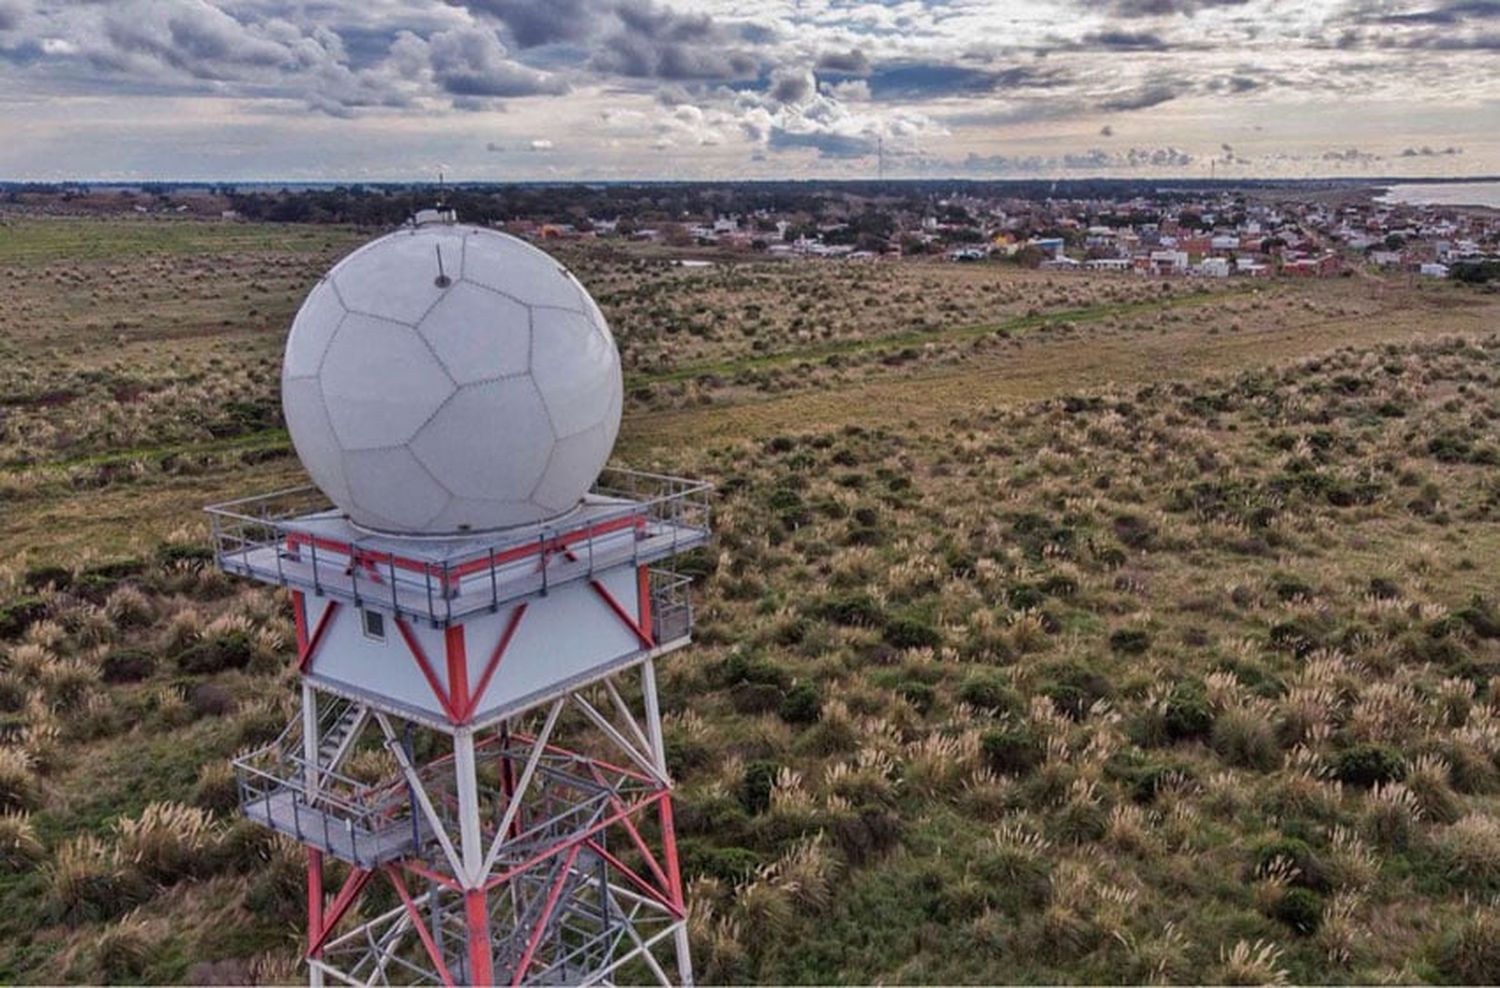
(294, 538)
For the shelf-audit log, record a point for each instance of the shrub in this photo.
(41, 577)
(86, 882)
(279, 886)
(1468, 952)
(728, 864)
(919, 694)
(168, 841)
(183, 554)
(229, 651)
(1012, 749)
(990, 693)
(1245, 737)
(19, 788)
(123, 949)
(1368, 765)
(19, 845)
(755, 787)
(1300, 909)
(1250, 964)
(127, 665)
(863, 836)
(257, 724)
(127, 607)
(217, 789)
(1130, 641)
(19, 614)
(743, 666)
(803, 704)
(1310, 872)
(912, 632)
(210, 700)
(1472, 849)
(1187, 713)
(1074, 688)
(851, 610)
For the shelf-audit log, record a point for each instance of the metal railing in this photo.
(283, 538)
(362, 823)
(671, 605)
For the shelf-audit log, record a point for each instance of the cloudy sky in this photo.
(609, 89)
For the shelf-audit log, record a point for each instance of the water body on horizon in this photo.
(1448, 194)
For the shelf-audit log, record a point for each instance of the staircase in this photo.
(365, 825)
(338, 736)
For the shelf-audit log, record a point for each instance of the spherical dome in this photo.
(446, 379)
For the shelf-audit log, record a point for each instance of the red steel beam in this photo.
(541, 923)
(458, 671)
(415, 648)
(353, 885)
(643, 596)
(494, 660)
(477, 918)
(417, 868)
(573, 841)
(635, 879)
(478, 565)
(419, 923)
(305, 653)
(314, 899)
(623, 614)
(635, 835)
(299, 616)
(669, 851)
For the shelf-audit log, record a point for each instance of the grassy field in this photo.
(1056, 628)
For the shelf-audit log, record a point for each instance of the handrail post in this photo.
(313, 545)
(450, 590)
(431, 614)
(494, 583)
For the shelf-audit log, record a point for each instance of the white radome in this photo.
(485, 394)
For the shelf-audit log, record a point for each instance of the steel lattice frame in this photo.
(511, 858)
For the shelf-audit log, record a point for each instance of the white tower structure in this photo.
(479, 612)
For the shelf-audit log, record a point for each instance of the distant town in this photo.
(1191, 229)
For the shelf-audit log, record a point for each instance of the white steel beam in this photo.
(394, 746)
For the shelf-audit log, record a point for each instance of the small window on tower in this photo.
(374, 625)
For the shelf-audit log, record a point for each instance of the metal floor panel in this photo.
(284, 811)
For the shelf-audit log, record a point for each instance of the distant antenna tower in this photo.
(880, 158)
(478, 616)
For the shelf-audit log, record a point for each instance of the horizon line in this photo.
(887, 180)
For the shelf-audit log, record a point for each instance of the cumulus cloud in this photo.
(851, 62)
(473, 63)
(1350, 156)
(1162, 8)
(638, 39)
(791, 85)
(836, 80)
(1097, 160)
(1427, 152)
(11, 12)
(1143, 97)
